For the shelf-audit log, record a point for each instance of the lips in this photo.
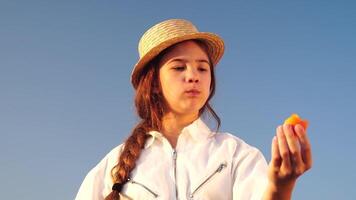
(192, 92)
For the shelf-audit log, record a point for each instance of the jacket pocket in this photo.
(218, 170)
(140, 186)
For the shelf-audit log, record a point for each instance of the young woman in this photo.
(172, 153)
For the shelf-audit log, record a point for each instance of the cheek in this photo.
(170, 87)
(207, 84)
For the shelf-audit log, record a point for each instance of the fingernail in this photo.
(279, 133)
(279, 128)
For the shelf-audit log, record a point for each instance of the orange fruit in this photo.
(294, 119)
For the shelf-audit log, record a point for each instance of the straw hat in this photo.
(168, 33)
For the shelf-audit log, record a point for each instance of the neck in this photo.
(172, 125)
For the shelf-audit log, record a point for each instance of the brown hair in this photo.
(150, 106)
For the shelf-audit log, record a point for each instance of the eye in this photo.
(203, 69)
(179, 68)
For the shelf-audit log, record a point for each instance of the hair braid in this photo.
(149, 107)
(127, 161)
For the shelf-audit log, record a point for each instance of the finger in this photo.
(298, 166)
(305, 146)
(293, 145)
(283, 150)
(276, 157)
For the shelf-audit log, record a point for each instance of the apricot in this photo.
(294, 119)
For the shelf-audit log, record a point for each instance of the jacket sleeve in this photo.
(93, 184)
(97, 183)
(250, 174)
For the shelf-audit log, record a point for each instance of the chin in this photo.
(191, 110)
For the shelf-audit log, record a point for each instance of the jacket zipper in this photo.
(142, 185)
(175, 171)
(218, 170)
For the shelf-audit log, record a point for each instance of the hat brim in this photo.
(215, 47)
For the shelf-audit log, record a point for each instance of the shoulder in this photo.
(108, 161)
(232, 141)
(237, 148)
(97, 183)
(111, 158)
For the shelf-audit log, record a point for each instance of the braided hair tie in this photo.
(118, 186)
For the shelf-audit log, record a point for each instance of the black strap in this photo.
(117, 187)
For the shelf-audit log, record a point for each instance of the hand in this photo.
(291, 157)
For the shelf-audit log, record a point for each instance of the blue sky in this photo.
(66, 97)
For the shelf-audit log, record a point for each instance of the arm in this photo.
(97, 183)
(291, 157)
(92, 186)
(249, 173)
(93, 183)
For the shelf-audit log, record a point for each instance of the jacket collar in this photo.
(197, 130)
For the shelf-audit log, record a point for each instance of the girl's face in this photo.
(185, 78)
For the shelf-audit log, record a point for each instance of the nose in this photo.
(192, 76)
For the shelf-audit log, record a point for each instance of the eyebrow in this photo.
(184, 60)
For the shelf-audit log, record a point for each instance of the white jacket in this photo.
(205, 165)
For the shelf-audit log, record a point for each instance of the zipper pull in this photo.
(221, 167)
(218, 170)
(174, 154)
